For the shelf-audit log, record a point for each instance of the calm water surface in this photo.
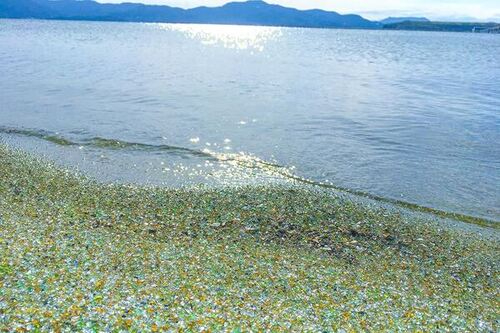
(412, 116)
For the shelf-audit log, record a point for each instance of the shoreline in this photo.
(76, 254)
(282, 171)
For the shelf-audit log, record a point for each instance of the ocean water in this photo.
(411, 116)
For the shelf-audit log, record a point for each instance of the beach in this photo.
(79, 254)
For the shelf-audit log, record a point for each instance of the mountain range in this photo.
(253, 12)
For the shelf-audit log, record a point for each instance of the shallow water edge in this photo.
(272, 170)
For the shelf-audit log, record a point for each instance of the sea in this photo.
(407, 116)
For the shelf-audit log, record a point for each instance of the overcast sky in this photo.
(374, 9)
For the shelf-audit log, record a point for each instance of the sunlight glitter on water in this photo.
(229, 36)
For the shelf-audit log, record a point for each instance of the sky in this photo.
(454, 10)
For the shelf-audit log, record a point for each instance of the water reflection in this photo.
(228, 36)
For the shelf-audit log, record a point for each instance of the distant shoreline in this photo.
(252, 25)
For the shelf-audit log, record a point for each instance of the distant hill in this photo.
(245, 13)
(253, 12)
(392, 20)
(441, 26)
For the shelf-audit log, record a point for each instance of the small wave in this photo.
(40, 134)
(102, 143)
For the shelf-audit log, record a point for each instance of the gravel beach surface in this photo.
(79, 255)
